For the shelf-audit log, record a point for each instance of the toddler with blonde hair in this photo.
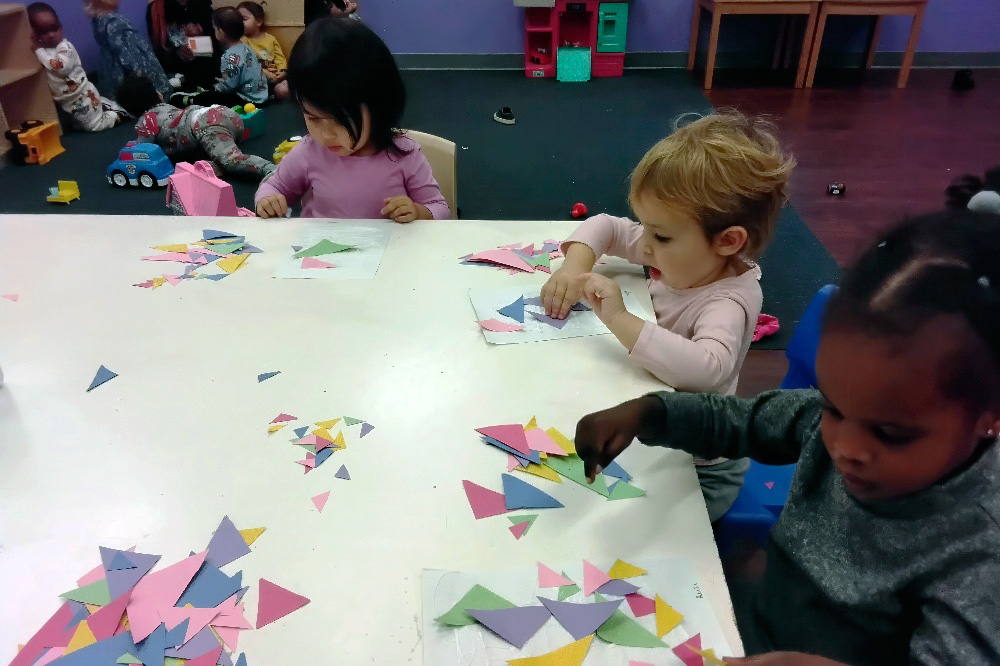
(707, 198)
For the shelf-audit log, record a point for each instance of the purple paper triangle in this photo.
(119, 561)
(121, 581)
(580, 619)
(227, 544)
(514, 625)
(533, 300)
(551, 321)
(342, 473)
(202, 642)
(366, 428)
(618, 588)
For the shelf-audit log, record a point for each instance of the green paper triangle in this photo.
(478, 598)
(541, 260)
(599, 598)
(623, 490)
(95, 593)
(526, 518)
(571, 467)
(311, 448)
(128, 658)
(351, 421)
(228, 248)
(567, 591)
(325, 246)
(620, 629)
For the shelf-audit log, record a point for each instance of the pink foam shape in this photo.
(766, 325)
(510, 434)
(498, 326)
(539, 440)
(502, 257)
(593, 578)
(312, 262)
(687, 655)
(320, 500)
(484, 502)
(519, 529)
(549, 578)
(769, 484)
(641, 606)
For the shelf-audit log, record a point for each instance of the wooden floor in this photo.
(895, 150)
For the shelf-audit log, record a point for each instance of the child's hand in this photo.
(193, 30)
(601, 436)
(562, 291)
(273, 205)
(403, 209)
(604, 295)
(185, 53)
(270, 75)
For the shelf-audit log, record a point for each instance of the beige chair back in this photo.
(441, 155)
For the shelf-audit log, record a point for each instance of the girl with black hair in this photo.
(888, 549)
(354, 164)
(242, 76)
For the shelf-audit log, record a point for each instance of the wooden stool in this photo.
(880, 9)
(717, 8)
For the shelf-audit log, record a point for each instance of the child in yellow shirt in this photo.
(267, 48)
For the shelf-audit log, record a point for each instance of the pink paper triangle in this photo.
(198, 619)
(498, 326)
(310, 262)
(512, 463)
(593, 578)
(539, 440)
(549, 578)
(53, 632)
(230, 636)
(320, 502)
(281, 418)
(159, 590)
(519, 529)
(484, 502)
(641, 606)
(172, 279)
(275, 602)
(11, 297)
(321, 443)
(502, 257)
(633, 662)
(687, 655)
(512, 435)
(210, 658)
(769, 484)
(104, 621)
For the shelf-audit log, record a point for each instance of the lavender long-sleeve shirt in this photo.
(354, 187)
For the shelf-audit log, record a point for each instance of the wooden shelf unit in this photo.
(24, 92)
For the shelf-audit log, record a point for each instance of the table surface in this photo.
(157, 456)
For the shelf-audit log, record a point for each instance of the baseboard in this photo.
(672, 60)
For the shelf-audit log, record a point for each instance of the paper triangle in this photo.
(520, 494)
(641, 606)
(119, 561)
(105, 620)
(519, 530)
(539, 440)
(242, 660)
(95, 593)
(515, 310)
(534, 456)
(477, 597)
(275, 427)
(342, 473)
(568, 655)
(528, 518)
(708, 657)
(538, 470)
(325, 246)
(616, 470)
(11, 297)
(122, 580)
(515, 625)
(666, 617)
(103, 375)
(622, 569)
(769, 485)
(328, 424)
(264, 376)
(624, 490)
(623, 630)
(686, 651)
(593, 578)
(498, 326)
(310, 262)
(512, 462)
(320, 500)
(618, 588)
(213, 234)
(151, 650)
(227, 544)
(230, 636)
(210, 658)
(283, 417)
(511, 434)
(580, 619)
(82, 637)
(232, 264)
(365, 429)
(348, 420)
(128, 658)
(564, 442)
(300, 432)
(549, 578)
(567, 591)
(275, 602)
(633, 662)
(484, 502)
(502, 257)
(571, 467)
(158, 590)
(251, 534)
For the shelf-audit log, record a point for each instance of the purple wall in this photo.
(496, 26)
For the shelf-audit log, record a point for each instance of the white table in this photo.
(157, 456)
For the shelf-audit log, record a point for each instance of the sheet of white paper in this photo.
(487, 302)
(474, 645)
(369, 238)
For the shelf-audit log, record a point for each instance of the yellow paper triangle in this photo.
(232, 264)
(159, 282)
(93, 608)
(81, 638)
(532, 424)
(275, 427)
(568, 655)
(20, 646)
(322, 432)
(250, 534)
(217, 241)
(328, 424)
(708, 657)
(666, 617)
(339, 441)
(174, 661)
(622, 569)
(540, 470)
(543, 455)
(179, 247)
(560, 439)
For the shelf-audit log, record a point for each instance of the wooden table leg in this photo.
(873, 42)
(807, 45)
(695, 25)
(713, 45)
(911, 46)
(817, 43)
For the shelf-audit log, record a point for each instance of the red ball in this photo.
(579, 210)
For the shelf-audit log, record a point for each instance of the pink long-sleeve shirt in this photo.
(354, 187)
(701, 335)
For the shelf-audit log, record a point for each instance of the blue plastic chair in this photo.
(765, 487)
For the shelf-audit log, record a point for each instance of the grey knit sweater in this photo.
(913, 580)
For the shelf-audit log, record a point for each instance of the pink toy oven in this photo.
(194, 189)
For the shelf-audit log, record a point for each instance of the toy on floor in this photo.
(35, 143)
(836, 189)
(253, 120)
(284, 147)
(504, 116)
(194, 189)
(142, 164)
(64, 192)
(579, 210)
(766, 325)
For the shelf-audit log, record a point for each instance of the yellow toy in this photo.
(284, 147)
(40, 142)
(249, 108)
(67, 191)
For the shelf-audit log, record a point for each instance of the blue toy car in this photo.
(142, 164)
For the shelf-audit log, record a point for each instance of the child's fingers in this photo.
(555, 298)
(391, 204)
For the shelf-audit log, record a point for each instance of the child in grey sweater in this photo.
(888, 550)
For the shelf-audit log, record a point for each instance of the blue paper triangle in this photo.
(216, 277)
(119, 561)
(267, 375)
(242, 660)
(322, 455)
(534, 457)
(210, 587)
(103, 375)
(175, 636)
(102, 652)
(152, 648)
(515, 310)
(342, 473)
(519, 494)
(212, 234)
(615, 470)
(301, 432)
